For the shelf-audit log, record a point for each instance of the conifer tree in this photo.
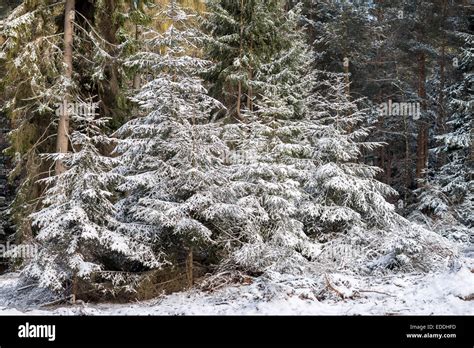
(77, 233)
(242, 40)
(344, 192)
(35, 88)
(270, 153)
(448, 194)
(31, 89)
(171, 153)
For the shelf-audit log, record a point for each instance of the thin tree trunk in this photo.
(137, 77)
(190, 268)
(62, 141)
(239, 92)
(346, 60)
(441, 112)
(388, 170)
(422, 141)
(380, 126)
(441, 120)
(382, 163)
(250, 76)
(408, 169)
(422, 150)
(74, 289)
(347, 79)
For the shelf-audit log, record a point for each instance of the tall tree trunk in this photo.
(250, 77)
(441, 119)
(346, 62)
(422, 151)
(241, 43)
(380, 126)
(109, 90)
(408, 159)
(422, 141)
(388, 170)
(62, 141)
(136, 77)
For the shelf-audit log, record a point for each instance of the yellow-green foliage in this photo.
(194, 5)
(30, 64)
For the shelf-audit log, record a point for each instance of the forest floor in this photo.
(450, 293)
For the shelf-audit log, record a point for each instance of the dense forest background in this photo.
(161, 142)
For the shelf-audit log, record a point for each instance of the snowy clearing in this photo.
(412, 294)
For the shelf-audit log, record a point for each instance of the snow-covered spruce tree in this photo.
(227, 22)
(339, 30)
(347, 209)
(448, 197)
(77, 234)
(32, 86)
(172, 154)
(269, 154)
(243, 38)
(456, 177)
(344, 191)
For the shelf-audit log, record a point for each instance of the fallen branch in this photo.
(332, 288)
(26, 287)
(55, 302)
(467, 298)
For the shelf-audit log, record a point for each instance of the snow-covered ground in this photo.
(432, 294)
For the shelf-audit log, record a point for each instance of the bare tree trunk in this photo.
(380, 125)
(388, 170)
(422, 150)
(441, 120)
(239, 92)
(62, 141)
(347, 79)
(346, 61)
(136, 77)
(422, 141)
(250, 77)
(74, 289)
(190, 268)
(408, 168)
(382, 163)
